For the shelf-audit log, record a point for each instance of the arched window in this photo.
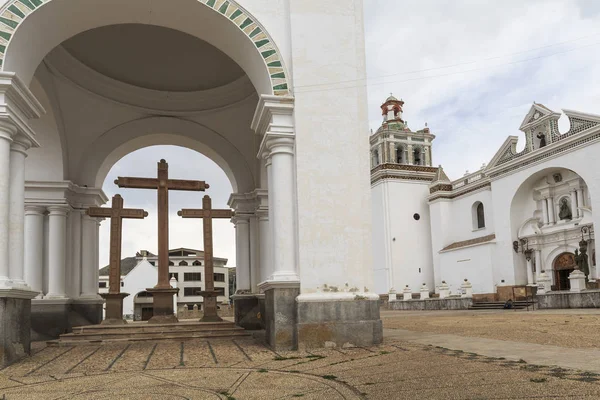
(183, 264)
(478, 216)
(418, 156)
(171, 263)
(400, 155)
(197, 263)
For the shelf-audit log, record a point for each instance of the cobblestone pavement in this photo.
(245, 369)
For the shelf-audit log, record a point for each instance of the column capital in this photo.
(8, 130)
(277, 144)
(34, 210)
(59, 210)
(20, 144)
(241, 219)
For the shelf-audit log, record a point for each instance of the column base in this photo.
(114, 308)
(89, 308)
(280, 314)
(210, 307)
(339, 320)
(163, 312)
(15, 325)
(248, 312)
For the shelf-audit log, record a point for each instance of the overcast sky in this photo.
(469, 68)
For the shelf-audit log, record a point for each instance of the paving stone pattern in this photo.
(245, 369)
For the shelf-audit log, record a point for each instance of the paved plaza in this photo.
(409, 364)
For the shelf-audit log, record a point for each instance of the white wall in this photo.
(142, 277)
(472, 263)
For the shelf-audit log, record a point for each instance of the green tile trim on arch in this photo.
(13, 12)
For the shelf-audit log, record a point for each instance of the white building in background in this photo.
(499, 227)
(185, 265)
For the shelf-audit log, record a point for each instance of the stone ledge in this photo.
(462, 303)
(585, 299)
(17, 293)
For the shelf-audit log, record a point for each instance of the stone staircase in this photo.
(499, 305)
(142, 331)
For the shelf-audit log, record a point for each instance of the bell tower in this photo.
(401, 173)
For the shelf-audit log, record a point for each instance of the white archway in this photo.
(24, 26)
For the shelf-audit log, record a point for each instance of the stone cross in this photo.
(163, 292)
(114, 297)
(207, 214)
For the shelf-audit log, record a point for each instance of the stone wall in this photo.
(585, 299)
(462, 303)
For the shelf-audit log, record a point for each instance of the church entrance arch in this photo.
(143, 309)
(563, 265)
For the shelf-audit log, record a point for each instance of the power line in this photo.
(441, 75)
(453, 65)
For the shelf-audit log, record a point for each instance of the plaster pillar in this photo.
(16, 219)
(57, 252)
(551, 210)
(282, 214)
(545, 211)
(34, 256)
(242, 250)
(392, 152)
(265, 246)
(529, 272)
(381, 154)
(538, 264)
(580, 202)
(574, 209)
(89, 289)
(254, 254)
(427, 158)
(411, 156)
(7, 131)
(75, 255)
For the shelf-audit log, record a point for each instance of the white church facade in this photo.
(85, 82)
(518, 222)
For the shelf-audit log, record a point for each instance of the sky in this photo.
(470, 69)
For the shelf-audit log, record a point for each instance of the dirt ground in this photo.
(566, 328)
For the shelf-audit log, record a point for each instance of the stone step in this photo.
(66, 340)
(138, 334)
(156, 328)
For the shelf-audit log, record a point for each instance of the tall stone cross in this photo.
(163, 292)
(114, 297)
(207, 214)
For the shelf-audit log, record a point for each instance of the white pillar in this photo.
(95, 273)
(551, 210)
(282, 214)
(254, 254)
(174, 284)
(529, 272)
(75, 256)
(57, 252)
(242, 251)
(266, 269)
(580, 202)
(34, 241)
(538, 264)
(574, 210)
(545, 211)
(88, 258)
(16, 218)
(7, 131)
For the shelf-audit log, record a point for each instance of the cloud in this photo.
(143, 234)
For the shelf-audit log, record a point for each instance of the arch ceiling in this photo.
(23, 53)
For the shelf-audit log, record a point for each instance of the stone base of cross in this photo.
(114, 308)
(163, 305)
(210, 307)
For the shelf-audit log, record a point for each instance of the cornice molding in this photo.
(18, 105)
(273, 113)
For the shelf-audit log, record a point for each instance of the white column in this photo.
(529, 272)
(96, 264)
(34, 241)
(7, 131)
(75, 256)
(16, 218)
(254, 254)
(580, 202)
(242, 251)
(282, 214)
(89, 289)
(545, 211)
(57, 252)
(551, 210)
(538, 264)
(266, 268)
(574, 210)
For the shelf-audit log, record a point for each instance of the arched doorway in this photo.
(563, 265)
(142, 306)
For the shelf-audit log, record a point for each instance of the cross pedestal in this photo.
(163, 305)
(114, 308)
